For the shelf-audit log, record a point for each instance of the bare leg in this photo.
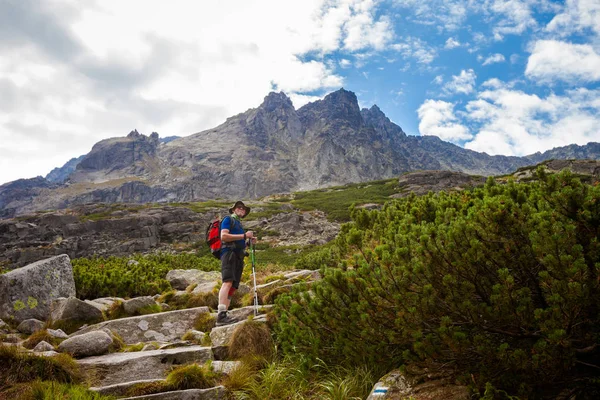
(224, 293)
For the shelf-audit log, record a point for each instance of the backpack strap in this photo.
(233, 221)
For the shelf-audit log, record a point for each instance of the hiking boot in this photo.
(224, 319)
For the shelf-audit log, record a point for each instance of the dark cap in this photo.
(239, 204)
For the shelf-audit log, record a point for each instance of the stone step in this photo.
(120, 389)
(162, 327)
(118, 368)
(215, 393)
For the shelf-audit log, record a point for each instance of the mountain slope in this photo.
(273, 148)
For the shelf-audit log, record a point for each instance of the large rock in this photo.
(162, 327)
(118, 368)
(180, 279)
(89, 344)
(134, 305)
(30, 326)
(28, 292)
(42, 347)
(421, 386)
(73, 309)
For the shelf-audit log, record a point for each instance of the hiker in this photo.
(233, 245)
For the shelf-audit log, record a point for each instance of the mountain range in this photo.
(273, 148)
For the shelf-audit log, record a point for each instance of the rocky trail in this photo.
(116, 355)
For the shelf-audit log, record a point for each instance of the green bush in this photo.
(112, 277)
(500, 283)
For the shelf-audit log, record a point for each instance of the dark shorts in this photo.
(232, 265)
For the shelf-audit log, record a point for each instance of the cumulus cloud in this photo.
(512, 122)
(553, 60)
(451, 43)
(515, 16)
(494, 58)
(416, 48)
(464, 83)
(576, 16)
(437, 119)
(345, 63)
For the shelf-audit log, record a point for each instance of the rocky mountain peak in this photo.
(341, 105)
(274, 101)
(375, 118)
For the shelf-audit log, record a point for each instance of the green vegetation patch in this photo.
(118, 277)
(336, 201)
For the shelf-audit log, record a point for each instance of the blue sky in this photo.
(502, 76)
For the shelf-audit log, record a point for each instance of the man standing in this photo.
(233, 244)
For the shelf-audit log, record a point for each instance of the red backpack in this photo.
(213, 237)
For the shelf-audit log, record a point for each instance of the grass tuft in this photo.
(40, 390)
(205, 322)
(191, 376)
(40, 336)
(19, 367)
(251, 338)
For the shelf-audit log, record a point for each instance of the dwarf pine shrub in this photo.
(116, 277)
(500, 283)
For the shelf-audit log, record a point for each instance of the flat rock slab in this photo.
(162, 327)
(27, 292)
(112, 369)
(190, 394)
(120, 389)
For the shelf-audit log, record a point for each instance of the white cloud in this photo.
(494, 83)
(443, 14)
(494, 58)
(363, 32)
(512, 122)
(416, 48)
(437, 119)
(515, 16)
(438, 80)
(463, 83)
(345, 63)
(577, 16)
(514, 58)
(451, 43)
(553, 60)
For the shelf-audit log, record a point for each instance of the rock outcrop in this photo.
(28, 292)
(97, 230)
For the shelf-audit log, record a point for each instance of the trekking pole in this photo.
(254, 274)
